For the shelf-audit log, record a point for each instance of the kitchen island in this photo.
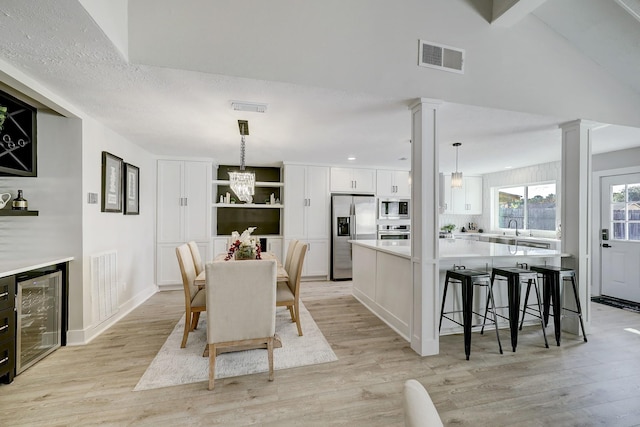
(382, 275)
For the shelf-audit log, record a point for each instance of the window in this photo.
(625, 211)
(530, 207)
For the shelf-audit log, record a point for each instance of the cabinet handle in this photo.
(3, 361)
(3, 327)
(186, 201)
(4, 294)
(308, 202)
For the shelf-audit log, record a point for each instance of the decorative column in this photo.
(424, 225)
(576, 212)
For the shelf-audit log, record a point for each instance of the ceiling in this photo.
(180, 112)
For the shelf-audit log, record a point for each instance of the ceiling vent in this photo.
(441, 57)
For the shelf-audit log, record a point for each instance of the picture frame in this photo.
(131, 189)
(111, 183)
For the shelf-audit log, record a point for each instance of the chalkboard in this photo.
(17, 137)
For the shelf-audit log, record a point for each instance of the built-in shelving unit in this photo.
(267, 217)
(11, 212)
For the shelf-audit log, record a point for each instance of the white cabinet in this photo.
(306, 214)
(348, 180)
(316, 261)
(393, 183)
(183, 214)
(466, 200)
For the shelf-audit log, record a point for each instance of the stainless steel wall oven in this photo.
(394, 232)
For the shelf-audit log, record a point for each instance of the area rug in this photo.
(174, 365)
(618, 303)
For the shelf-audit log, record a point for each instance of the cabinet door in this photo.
(220, 246)
(317, 209)
(316, 261)
(473, 195)
(197, 179)
(365, 180)
(168, 270)
(401, 183)
(458, 199)
(342, 180)
(295, 201)
(448, 206)
(274, 245)
(169, 227)
(384, 183)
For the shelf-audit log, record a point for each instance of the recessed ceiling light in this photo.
(508, 167)
(351, 158)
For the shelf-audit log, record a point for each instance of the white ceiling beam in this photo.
(507, 13)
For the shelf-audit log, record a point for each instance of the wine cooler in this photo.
(38, 307)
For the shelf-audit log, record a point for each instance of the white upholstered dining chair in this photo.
(419, 410)
(194, 298)
(197, 259)
(287, 259)
(289, 292)
(241, 308)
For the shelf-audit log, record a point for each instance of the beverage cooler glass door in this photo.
(39, 317)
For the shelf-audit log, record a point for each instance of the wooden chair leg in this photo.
(270, 355)
(212, 365)
(293, 316)
(297, 310)
(196, 318)
(187, 326)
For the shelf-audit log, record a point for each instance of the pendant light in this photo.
(243, 183)
(456, 177)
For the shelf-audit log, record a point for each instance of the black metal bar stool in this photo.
(468, 279)
(515, 278)
(553, 279)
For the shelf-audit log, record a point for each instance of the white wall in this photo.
(616, 159)
(132, 236)
(69, 166)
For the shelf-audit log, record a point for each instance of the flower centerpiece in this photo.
(244, 246)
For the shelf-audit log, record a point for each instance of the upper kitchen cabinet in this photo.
(353, 180)
(463, 201)
(393, 183)
(183, 213)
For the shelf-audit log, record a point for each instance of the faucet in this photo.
(509, 226)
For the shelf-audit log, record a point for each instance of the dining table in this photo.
(282, 275)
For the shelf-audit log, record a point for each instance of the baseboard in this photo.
(85, 336)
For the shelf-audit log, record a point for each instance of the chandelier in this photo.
(456, 177)
(243, 183)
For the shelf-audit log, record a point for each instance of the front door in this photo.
(620, 236)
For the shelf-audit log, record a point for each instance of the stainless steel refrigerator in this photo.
(352, 218)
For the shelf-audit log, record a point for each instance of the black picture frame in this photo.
(18, 148)
(131, 189)
(111, 183)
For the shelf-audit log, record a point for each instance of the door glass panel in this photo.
(634, 211)
(618, 212)
(633, 193)
(617, 193)
(634, 231)
(618, 231)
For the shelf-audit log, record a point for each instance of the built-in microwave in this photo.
(394, 209)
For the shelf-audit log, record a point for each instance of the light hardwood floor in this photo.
(577, 384)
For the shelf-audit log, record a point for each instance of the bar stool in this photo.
(515, 277)
(553, 279)
(468, 279)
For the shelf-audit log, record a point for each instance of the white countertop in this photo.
(9, 268)
(400, 248)
(460, 248)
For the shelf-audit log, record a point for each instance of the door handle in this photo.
(606, 245)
